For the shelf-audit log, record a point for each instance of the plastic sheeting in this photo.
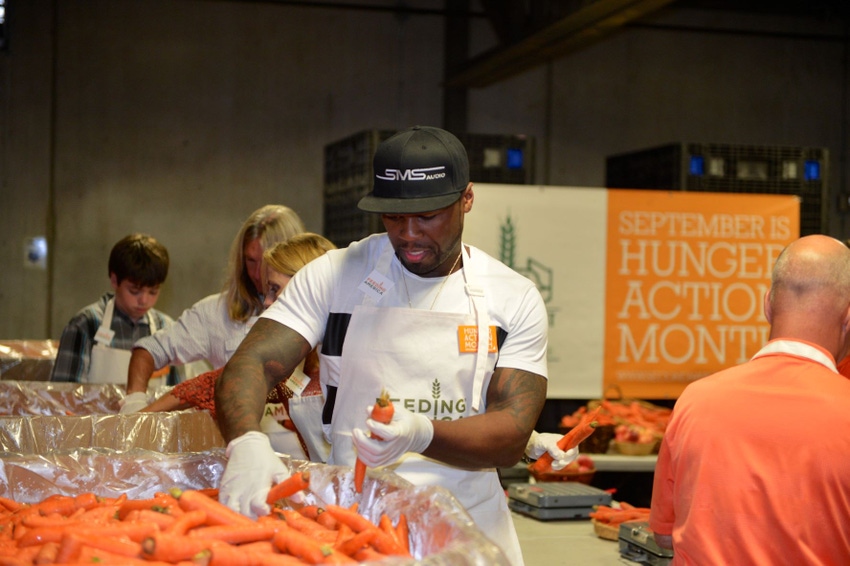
(60, 398)
(27, 360)
(442, 533)
(43, 417)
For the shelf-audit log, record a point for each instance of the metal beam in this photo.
(575, 31)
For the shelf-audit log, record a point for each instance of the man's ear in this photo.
(768, 314)
(846, 321)
(468, 197)
(114, 280)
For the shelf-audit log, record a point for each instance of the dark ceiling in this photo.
(533, 32)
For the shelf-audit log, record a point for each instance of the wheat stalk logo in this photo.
(507, 245)
(435, 394)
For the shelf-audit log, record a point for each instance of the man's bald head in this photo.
(810, 291)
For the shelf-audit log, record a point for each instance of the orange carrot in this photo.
(351, 545)
(386, 525)
(387, 544)
(570, 440)
(382, 542)
(90, 555)
(301, 546)
(110, 544)
(277, 559)
(235, 534)
(47, 553)
(159, 502)
(172, 548)
(259, 546)
(369, 554)
(335, 557)
(227, 555)
(327, 520)
(163, 520)
(307, 526)
(311, 511)
(86, 501)
(211, 492)
(186, 521)
(355, 521)
(382, 412)
(403, 532)
(69, 548)
(217, 513)
(288, 487)
(343, 533)
(10, 504)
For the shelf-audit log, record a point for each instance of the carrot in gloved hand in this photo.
(569, 441)
(382, 412)
(288, 487)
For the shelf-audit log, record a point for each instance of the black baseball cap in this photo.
(419, 169)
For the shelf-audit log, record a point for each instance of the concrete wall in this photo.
(180, 117)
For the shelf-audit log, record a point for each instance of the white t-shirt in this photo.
(204, 331)
(320, 298)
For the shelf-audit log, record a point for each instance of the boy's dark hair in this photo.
(139, 258)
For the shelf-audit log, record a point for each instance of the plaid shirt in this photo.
(74, 356)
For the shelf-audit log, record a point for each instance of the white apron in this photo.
(111, 365)
(414, 354)
(306, 414)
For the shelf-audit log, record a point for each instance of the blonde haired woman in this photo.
(294, 405)
(214, 327)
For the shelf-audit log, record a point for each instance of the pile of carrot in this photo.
(616, 412)
(613, 516)
(192, 528)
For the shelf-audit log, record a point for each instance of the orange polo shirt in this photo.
(755, 464)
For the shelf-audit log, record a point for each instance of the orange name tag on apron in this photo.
(467, 337)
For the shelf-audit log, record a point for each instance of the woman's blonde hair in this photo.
(290, 256)
(270, 225)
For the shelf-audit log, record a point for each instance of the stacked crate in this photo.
(729, 168)
(349, 175)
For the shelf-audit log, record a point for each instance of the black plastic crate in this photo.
(344, 222)
(715, 167)
(348, 162)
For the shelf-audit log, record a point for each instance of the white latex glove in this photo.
(542, 442)
(134, 402)
(407, 432)
(252, 469)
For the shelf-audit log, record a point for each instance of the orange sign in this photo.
(685, 284)
(467, 337)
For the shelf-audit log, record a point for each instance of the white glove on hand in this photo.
(542, 442)
(134, 402)
(408, 432)
(252, 469)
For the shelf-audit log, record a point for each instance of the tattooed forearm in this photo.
(520, 393)
(267, 355)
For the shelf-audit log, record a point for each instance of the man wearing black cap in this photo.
(403, 311)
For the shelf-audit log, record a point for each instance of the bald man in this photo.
(755, 465)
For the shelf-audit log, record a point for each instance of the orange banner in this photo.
(685, 283)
